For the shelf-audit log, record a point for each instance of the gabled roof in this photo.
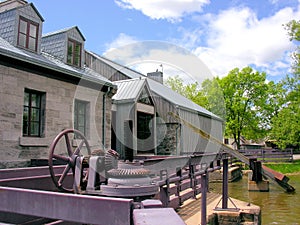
(47, 61)
(129, 90)
(161, 90)
(124, 69)
(17, 4)
(65, 30)
(177, 99)
(37, 12)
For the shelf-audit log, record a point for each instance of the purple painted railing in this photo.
(20, 193)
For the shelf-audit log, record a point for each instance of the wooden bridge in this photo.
(269, 155)
(253, 163)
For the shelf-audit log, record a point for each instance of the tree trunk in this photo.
(238, 140)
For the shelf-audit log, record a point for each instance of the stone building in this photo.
(45, 87)
(50, 82)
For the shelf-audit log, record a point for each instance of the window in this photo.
(81, 116)
(33, 113)
(226, 141)
(74, 53)
(28, 34)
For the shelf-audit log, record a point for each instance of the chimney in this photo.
(11, 4)
(157, 76)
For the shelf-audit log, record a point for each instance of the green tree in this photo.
(285, 124)
(285, 129)
(190, 91)
(215, 98)
(176, 84)
(276, 98)
(293, 29)
(245, 94)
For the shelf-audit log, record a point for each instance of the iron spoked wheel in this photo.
(67, 155)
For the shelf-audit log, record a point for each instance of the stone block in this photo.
(262, 186)
(258, 186)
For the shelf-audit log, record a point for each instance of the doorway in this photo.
(145, 133)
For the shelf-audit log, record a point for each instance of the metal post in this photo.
(178, 184)
(225, 184)
(203, 199)
(191, 174)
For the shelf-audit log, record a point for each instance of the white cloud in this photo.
(237, 38)
(121, 40)
(146, 56)
(162, 9)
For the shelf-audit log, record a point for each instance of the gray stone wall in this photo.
(16, 150)
(170, 142)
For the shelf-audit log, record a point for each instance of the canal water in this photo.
(277, 206)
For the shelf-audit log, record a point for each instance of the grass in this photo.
(285, 168)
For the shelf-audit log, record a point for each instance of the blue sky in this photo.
(222, 34)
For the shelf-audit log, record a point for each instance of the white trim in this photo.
(145, 108)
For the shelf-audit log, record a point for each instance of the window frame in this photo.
(72, 56)
(85, 116)
(39, 108)
(27, 34)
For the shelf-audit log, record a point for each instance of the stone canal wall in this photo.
(234, 173)
(237, 213)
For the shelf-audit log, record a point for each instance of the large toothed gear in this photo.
(111, 160)
(128, 173)
(129, 180)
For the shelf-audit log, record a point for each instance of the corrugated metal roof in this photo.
(177, 99)
(124, 69)
(129, 90)
(47, 61)
(162, 90)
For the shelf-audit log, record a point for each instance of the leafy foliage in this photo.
(251, 106)
(190, 91)
(215, 97)
(245, 94)
(285, 124)
(293, 28)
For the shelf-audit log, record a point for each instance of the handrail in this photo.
(235, 153)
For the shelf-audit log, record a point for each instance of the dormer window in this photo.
(28, 34)
(66, 45)
(74, 53)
